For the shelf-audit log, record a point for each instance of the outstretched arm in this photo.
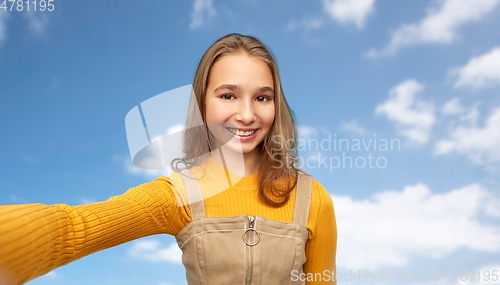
(37, 238)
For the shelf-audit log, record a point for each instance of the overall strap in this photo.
(302, 199)
(194, 195)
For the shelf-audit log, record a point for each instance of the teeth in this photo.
(241, 133)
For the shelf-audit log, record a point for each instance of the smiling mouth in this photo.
(241, 133)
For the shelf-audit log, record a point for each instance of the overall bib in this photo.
(243, 249)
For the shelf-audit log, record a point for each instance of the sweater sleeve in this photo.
(37, 238)
(321, 247)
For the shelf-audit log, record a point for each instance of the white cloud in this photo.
(439, 26)
(150, 250)
(472, 116)
(85, 200)
(480, 144)
(203, 12)
(175, 129)
(392, 227)
(346, 12)
(481, 71)
(172, 130)
(37, 22)
(149, 173)
(488, 269)
(306, 24)
(175, 150)
(349, 11)
(306, 132)
(413, 118)
(452, 107)
(51, 275)
(353, 126)
(3, 26)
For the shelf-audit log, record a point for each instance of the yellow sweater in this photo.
(37, 238)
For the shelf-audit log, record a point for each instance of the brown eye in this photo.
(227, 96)
(263, 99)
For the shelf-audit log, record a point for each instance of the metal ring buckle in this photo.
(258, 235)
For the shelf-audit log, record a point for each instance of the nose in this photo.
(245, 112)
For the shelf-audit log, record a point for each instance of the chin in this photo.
(237, 149)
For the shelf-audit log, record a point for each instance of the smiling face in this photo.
(240, 102)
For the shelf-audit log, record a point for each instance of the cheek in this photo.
(215, 113)
(269, 118)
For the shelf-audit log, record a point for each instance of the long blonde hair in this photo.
(277, 171)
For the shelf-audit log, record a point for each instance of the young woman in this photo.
(239, 209)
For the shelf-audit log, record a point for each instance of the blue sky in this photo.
(423, 73)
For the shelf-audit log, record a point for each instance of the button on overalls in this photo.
(243, 249)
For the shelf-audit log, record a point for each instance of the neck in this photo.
(241, 164)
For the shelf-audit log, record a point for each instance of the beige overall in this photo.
(243, 249)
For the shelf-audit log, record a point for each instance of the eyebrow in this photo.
(234, 87)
